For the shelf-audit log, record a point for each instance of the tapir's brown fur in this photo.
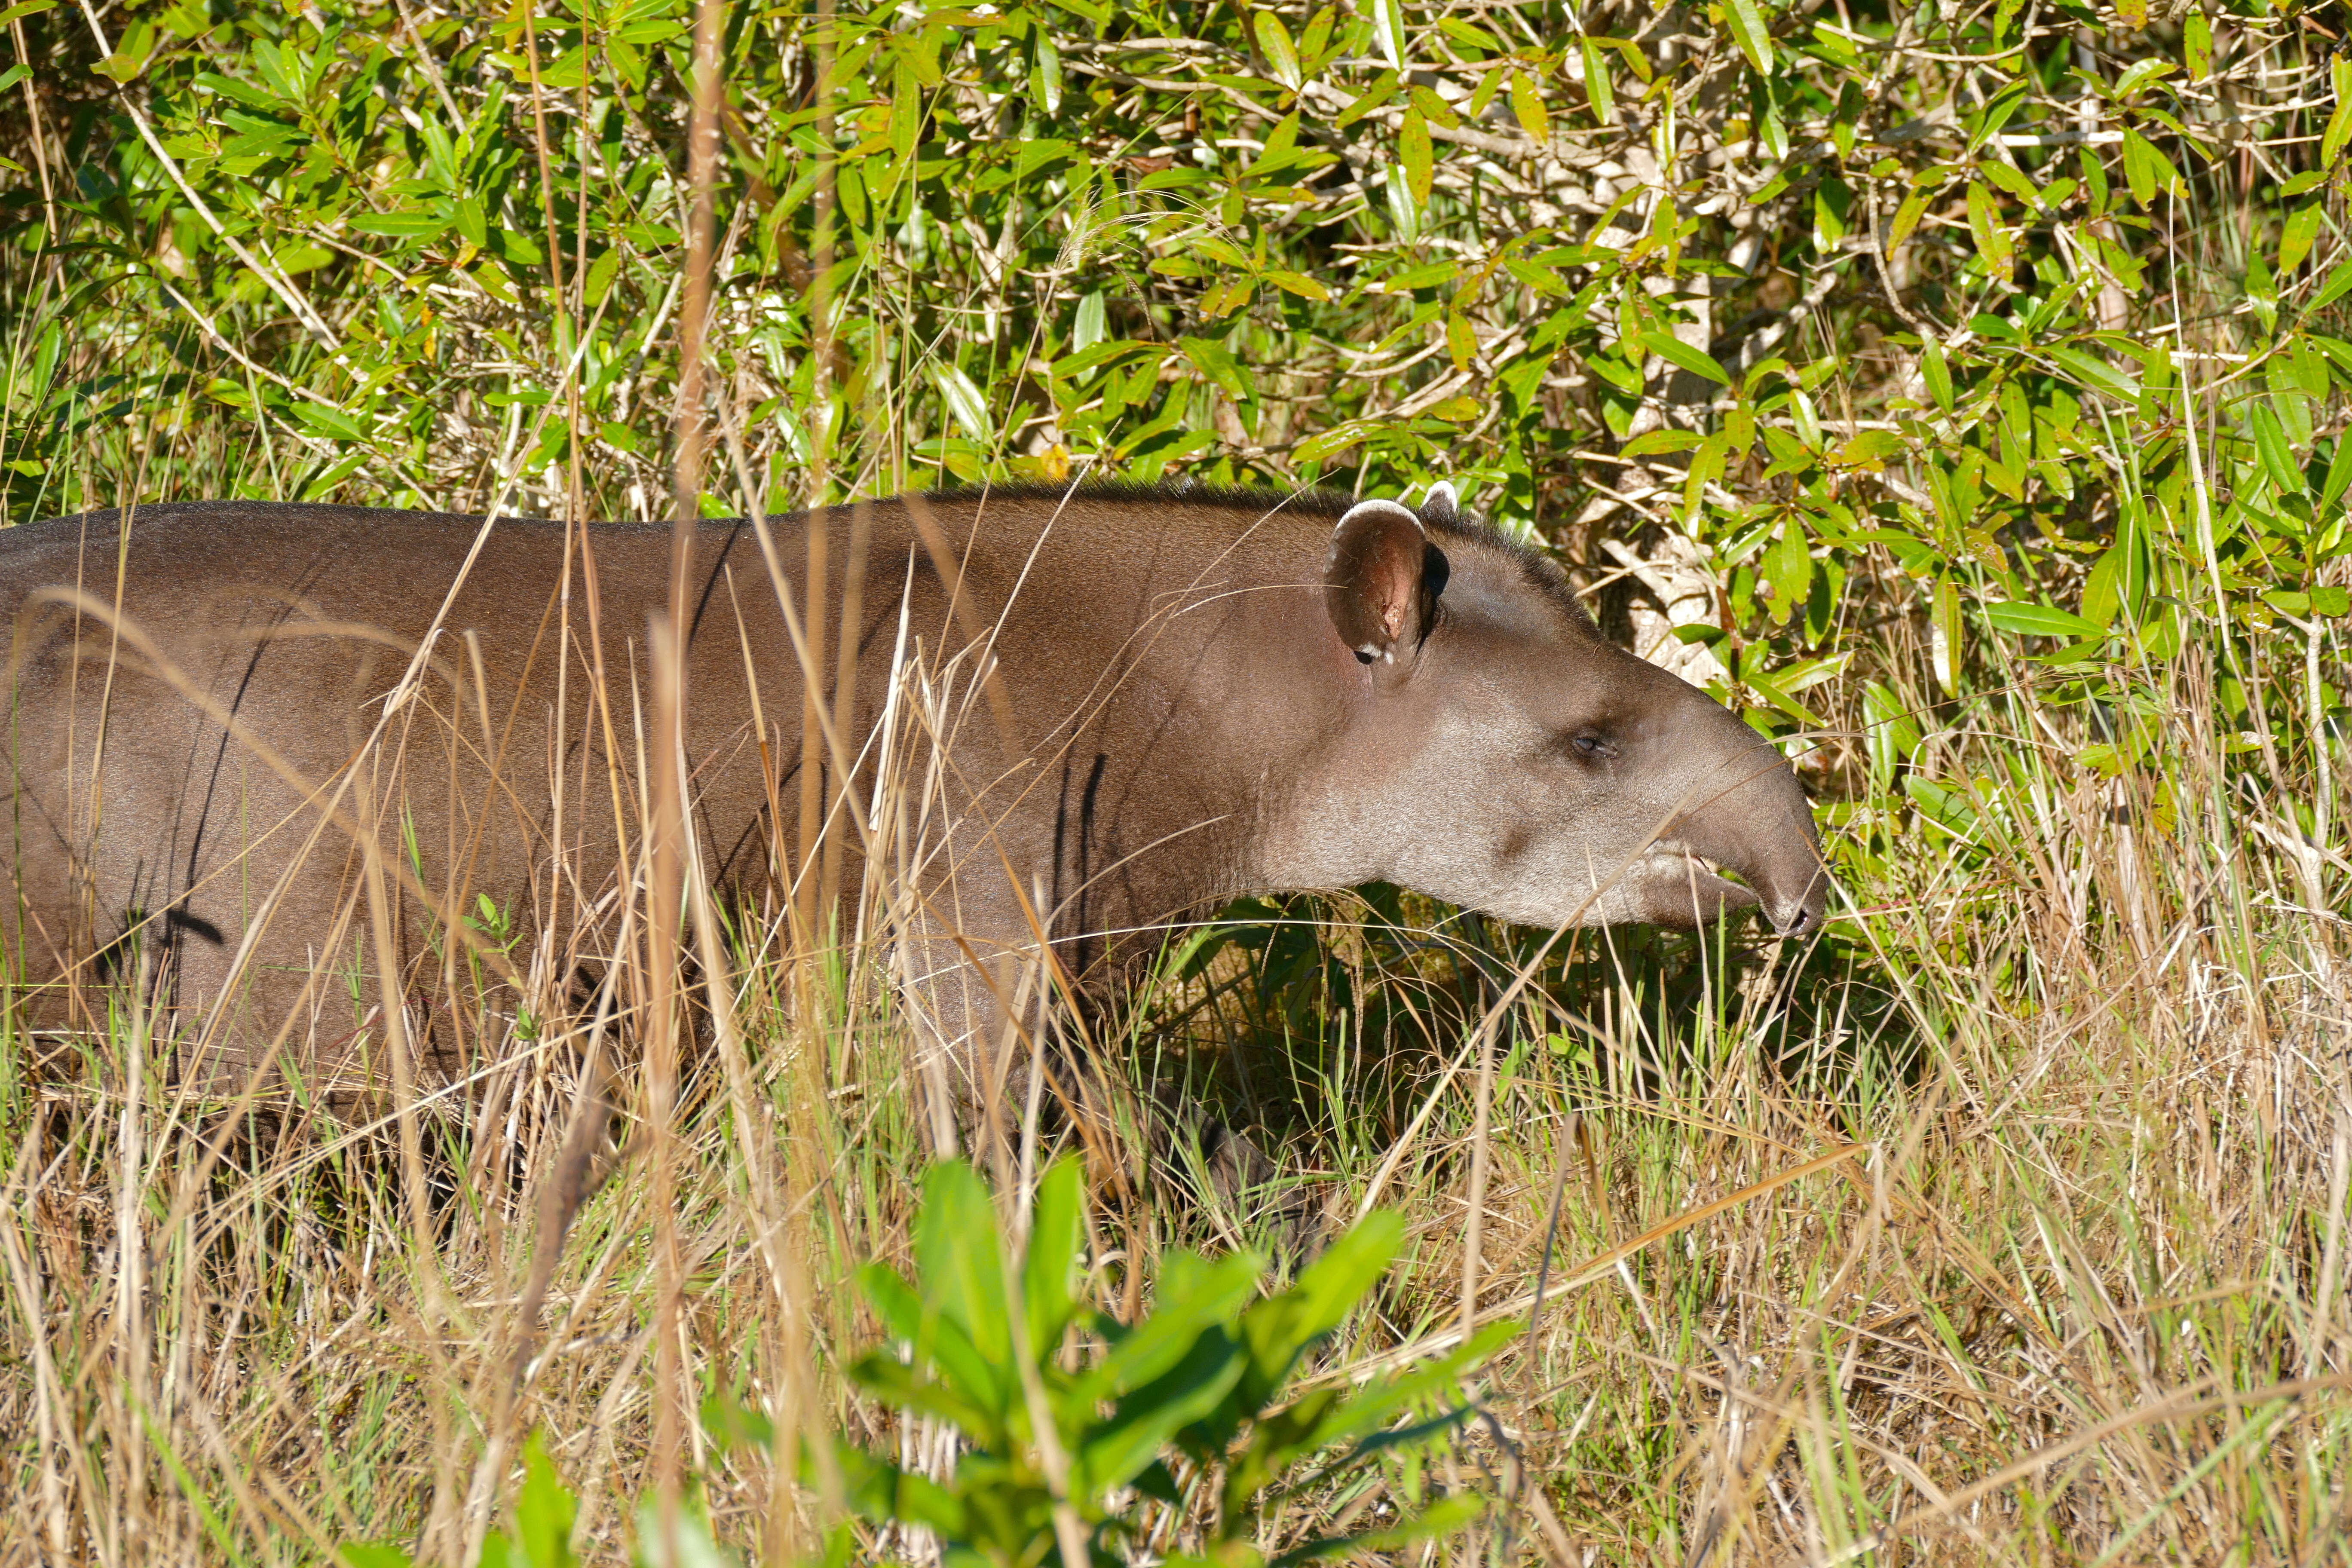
(1198, 694)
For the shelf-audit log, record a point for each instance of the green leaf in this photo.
(1984, 225)
(2039, 620)
(426, 224)
(1869, 448)
(1748, 31)
(1596, 85)
(1296, 283)
(689, 1532)
(1045, 81)
(1049, 1272)
(1937, 374)
(373, 1554)
(601, 273)
(1906, 218)
(906, 107)
(1273, 42)
(342, 469)
(2141, 72)
(2339, 123)
(1433, 109)
(2339, 472)
(331, 423)
(2010, 178)
(2089, 371)
(974, 1396)
(1948, 808)
(1676, 352)
(970, 411)
(1216, 362)
(1383, 88)
(1334, 440)
(2270, 445)
(544, 1509)
(1414, 152)
(2296, 235)
(1361, 1419)
(2146, 170)
(2116, 587)
(1805, 417)
(959, 1260)
(1944, 634)
(1388, 31)
(1279, 1328)
(1225, 296)
(1996, 113)
(1528, 108)
(1656, 441)
(736, 1427)
(1461, 340)
(1788, 566)
(1833, 200)
(1193, 1297)
(1177, 179)
(1148, 1418)
(2196, 44)
(1089, 328)
(885, 1494)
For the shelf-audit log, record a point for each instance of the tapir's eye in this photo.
(1592, 746)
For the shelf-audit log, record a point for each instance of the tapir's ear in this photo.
(1440, 506)
(1381, 580)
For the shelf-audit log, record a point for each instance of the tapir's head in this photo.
(1518, 763)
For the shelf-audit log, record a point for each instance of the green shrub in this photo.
(1206, 1394)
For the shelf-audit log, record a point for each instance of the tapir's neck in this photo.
(1293, 724)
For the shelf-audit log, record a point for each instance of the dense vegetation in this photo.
(1959, 388)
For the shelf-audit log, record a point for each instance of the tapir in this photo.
(1067, 717)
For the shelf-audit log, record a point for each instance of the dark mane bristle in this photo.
(1236, 498)
(1542, 571)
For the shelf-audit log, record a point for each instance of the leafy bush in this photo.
(1203, 1393)
(1200, 1397)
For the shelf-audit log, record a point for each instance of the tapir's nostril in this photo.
(1804, 916)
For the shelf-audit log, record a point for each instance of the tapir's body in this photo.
(1193, 696)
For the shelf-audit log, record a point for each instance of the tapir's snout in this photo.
(1745, 811)
(1801, 915)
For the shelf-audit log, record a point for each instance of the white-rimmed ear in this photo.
(1440, 505)
(1377, 580)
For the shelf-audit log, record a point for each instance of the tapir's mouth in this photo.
(1713, 880)
(1673, 885)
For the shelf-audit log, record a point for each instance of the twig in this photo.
(261, 269)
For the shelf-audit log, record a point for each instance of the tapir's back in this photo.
(191, 686)
(192, 683)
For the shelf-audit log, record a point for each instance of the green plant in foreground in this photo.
(1203, 1394)
(539, 1535)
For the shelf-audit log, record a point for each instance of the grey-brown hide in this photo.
(1147, 702)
